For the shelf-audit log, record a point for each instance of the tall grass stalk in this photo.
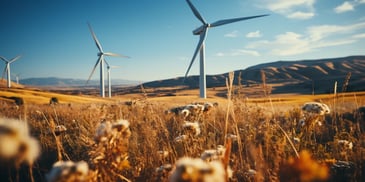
(290, 142)
(51, 127)
(230, 111)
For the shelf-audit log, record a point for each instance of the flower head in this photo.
(192, 126)
(315, 108)
(197, 170)
(16, 144)
(68, 171)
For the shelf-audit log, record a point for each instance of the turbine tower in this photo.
(7, 68)
(202, 32)
(100, 61)
(108, 67)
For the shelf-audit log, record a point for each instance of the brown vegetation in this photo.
(267, 140)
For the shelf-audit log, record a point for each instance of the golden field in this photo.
(269, 143)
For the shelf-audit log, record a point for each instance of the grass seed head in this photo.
(197, 170)
(315, 108)
(16, 144)
(65, 171)
(60, 129)
(192, 126)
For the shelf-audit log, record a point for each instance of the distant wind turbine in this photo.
(109, 78)
(16, 77)
(202, 31)
(101, 61)
(7, 68)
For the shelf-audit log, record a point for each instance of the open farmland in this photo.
(265, 135)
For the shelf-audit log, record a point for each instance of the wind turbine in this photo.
(16, 77)
(7, 68)
(108, 67)
(202, 31)
(100, 61)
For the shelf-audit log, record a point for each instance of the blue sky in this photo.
(54, 40)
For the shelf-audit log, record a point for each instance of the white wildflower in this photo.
(103, 130)
(193, 126)
(197, 170)
(316, 108)
(213, 154)
(346, 144)
(68, 171)
(121, 124)
(16, 144)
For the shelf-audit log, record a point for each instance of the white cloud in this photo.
(239, 52)
(301, 15)
(220, 54)
(232, 34)
(294, 9)
(320, 32)
(344, 7)
(359, 36)
(254, 34)
(348, 6)
(315, 37)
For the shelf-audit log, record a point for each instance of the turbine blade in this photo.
(92, 72)
(107, 64)
(196, 12)
(4, 59)
(114, 54)
(95, 38)
(227, 21)
(198, 47)
(14, 59)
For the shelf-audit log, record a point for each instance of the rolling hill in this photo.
(67, 82)
(303, 76)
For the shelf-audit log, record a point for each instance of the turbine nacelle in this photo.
(201, 29)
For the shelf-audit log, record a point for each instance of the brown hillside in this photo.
(303, 76)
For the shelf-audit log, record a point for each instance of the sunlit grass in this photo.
(264, 135)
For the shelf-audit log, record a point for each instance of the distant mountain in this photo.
(301, 76)
(65, 82)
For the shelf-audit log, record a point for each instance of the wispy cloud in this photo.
(294, 9)
(239, 52)
(232, 34)
(344, 7)
(301, 15)
(348, 6)
(315, 37)
(255, 34)
(359, 36)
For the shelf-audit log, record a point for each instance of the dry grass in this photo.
(261, 151)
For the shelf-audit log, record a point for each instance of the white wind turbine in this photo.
(16, 77)
(101, 61)
(108, 67)
(7, 68)
(202, 31)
